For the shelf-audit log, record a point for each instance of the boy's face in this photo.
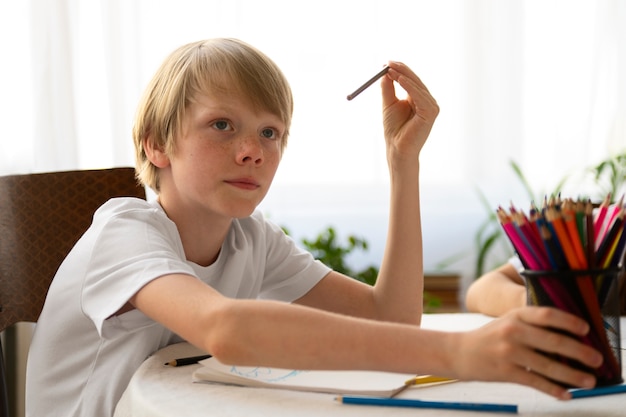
(225, 157)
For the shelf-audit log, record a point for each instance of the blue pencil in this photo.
(593, 392)
(400, 402)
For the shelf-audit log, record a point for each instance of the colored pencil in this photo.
(590, 248)
(526, 257)
(620, 249)
(598, 223)
(421, 380)
(553, 248)
(187, 361)
(555, 220)
(368, 83)
(584, 283)
(442, 405)
(612, 212)
(571, 225)
(593, 392)
(580, 220)
(530, 237)
(610, 239)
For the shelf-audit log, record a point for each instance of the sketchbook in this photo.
(373, 383)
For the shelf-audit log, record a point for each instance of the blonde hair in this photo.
(220, 65)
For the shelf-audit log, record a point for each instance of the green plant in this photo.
(327, 249)
(492, 246)
(490, 235)
(609, 176)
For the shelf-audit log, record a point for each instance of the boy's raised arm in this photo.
(407, 124)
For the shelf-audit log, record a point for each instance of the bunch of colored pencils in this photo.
(572, 253)
(567, 234)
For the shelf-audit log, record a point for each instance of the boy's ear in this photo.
(155, 153)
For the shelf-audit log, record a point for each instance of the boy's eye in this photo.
(222, 125)
(269, 133)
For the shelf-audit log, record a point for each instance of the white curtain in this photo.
(541, 82)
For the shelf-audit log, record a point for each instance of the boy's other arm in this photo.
(496, 292)
(278, 334)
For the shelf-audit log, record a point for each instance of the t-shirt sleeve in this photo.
(290, 270)
(129, 250)
(517, 264)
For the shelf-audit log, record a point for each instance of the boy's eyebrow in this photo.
(368, 83)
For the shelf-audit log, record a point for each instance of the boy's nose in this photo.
(250, 151)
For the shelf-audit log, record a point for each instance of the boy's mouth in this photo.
(244, 183)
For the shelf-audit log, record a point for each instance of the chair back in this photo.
(41, 218)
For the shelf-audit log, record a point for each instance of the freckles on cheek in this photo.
(223, 147)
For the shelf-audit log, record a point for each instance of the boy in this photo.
(200, 264)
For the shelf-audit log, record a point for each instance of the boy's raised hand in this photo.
(407, 122)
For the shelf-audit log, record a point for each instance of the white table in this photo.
(159, 391)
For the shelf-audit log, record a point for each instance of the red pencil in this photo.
(598, 223)
(590, 248)
(607, 245)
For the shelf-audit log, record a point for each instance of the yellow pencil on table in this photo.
(422, 380)
(427, 379)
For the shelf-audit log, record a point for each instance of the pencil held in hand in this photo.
(368, 83)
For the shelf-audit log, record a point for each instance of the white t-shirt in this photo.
(517, 263)
(81, 359)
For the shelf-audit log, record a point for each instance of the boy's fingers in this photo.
(410, 82)
(540, 383)
(548, 317)
(564, 345)
(554, 368)
(388, 91)
(555, 331)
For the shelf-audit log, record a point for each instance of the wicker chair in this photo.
(41, 218)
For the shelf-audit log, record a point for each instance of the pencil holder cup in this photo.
(592, 295)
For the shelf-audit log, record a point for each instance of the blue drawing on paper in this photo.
(265, 374)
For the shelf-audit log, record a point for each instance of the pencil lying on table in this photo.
(187, 361)
(593, 392)
(443, 405)
(422, 380)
